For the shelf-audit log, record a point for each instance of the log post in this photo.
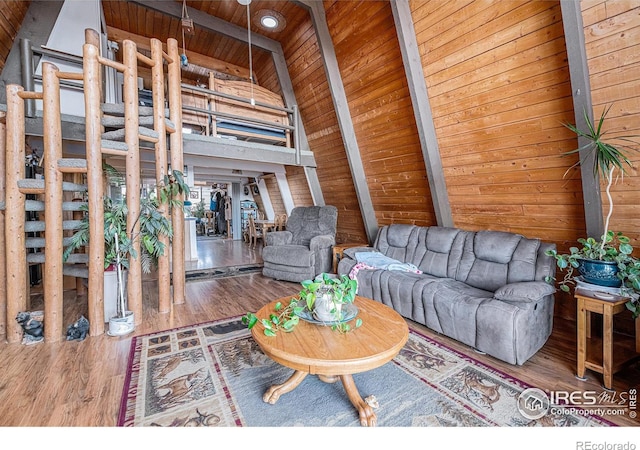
(132, 164)
(52, 139)
(157, 73)
(177, 163)
(95, 190)
(3, 259)
(14, 213)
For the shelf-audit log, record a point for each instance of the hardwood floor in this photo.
(80, 383)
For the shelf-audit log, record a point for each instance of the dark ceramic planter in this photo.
(602, 273)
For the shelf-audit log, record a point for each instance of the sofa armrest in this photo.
(351, 251)
(278, 237)
(322, 241)
(526, 291)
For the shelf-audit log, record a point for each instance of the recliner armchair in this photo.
(304, 249)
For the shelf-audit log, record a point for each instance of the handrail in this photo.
(292, 113)
(235, 98)
(236, 117)
(57, 54)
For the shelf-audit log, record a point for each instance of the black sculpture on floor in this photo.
(78, 330)
(33, 329)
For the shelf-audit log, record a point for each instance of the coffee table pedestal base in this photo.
(365, 411)
(274, 392)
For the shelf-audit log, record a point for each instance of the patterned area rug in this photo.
(214, 374)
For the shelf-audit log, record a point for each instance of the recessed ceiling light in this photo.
(269, 21)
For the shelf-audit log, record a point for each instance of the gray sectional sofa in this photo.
(485, 289)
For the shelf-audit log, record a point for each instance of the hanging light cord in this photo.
(184, 48)
(185, 15)
(253, 102)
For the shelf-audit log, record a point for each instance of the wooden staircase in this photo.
(110, 130)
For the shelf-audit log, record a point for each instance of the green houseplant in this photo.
(609, 261)
(118, 240)
(337, 291)
(152, 226)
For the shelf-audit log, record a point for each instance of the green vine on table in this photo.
(286, 318)
(283, 318)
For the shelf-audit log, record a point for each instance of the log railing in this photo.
(12, 132)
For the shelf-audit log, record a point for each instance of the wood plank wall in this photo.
(316, 108)
(499, 88)
(372, 71)
(612, 35)
(298, 186)
(11, 16)
(274, 195)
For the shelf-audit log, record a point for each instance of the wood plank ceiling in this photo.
(134, 18)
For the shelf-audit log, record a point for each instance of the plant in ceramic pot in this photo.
(608, 261)
(328, 290)
(326, 295)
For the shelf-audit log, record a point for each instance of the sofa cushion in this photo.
(522, 266)
(398, 235)
(492, 259)
(309, 221)
(529, 291)
(495, 246)
(398, 241)
(453, 310)
(439, 250)
(396, 289)
(288, 255)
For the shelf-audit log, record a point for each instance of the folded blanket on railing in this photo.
(377, 260)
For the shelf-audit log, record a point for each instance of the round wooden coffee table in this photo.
(319, 350)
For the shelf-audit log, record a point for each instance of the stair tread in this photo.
(119, 134)
(40, 242)
(146, 121)
(72, 162)
(74, 258)
(117, 109)
(118, 122)
(35, 226)
(38, 205)
(32, 183)
(75, 270)
(114, 145)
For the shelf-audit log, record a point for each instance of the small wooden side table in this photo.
(338, 251)
(590, 355)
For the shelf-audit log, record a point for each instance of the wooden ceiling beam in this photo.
(422, 111)
(341, 106)
(582, 104)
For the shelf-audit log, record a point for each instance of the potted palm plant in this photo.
(608, 261)
(118, 244)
